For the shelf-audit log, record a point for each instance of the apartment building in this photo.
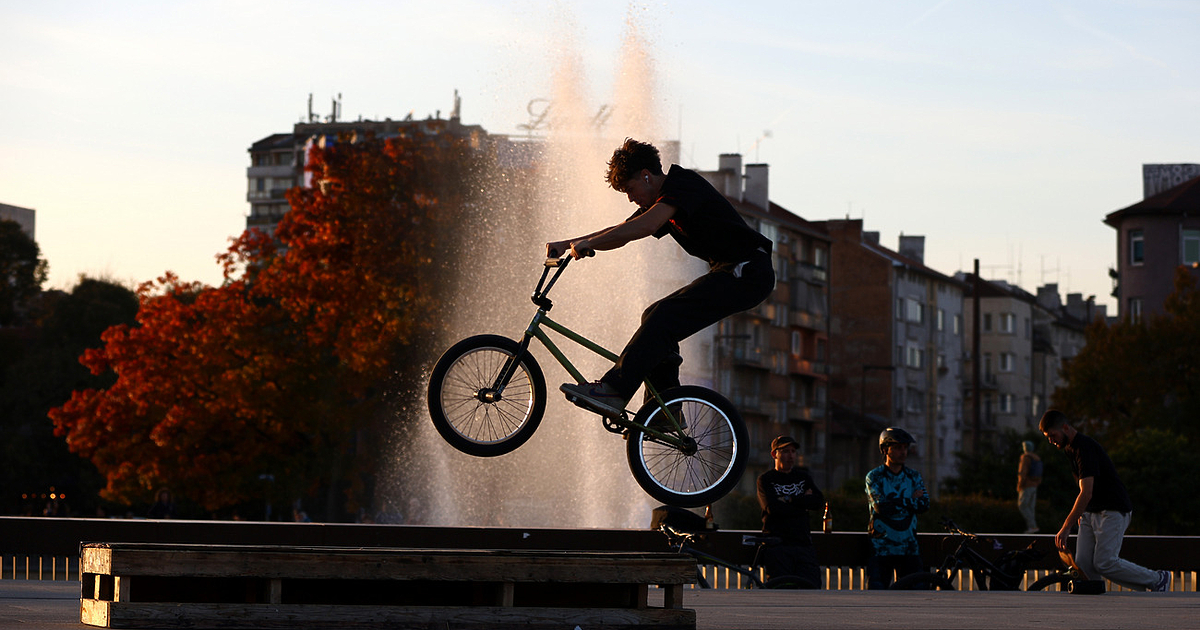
(1025, 342)
(897, 348)
(1155, 237)
(277, 161)
(772, 361)
(24, 217)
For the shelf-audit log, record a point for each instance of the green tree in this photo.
(43, 373)
(1148, 461)
(1135, 375)
(1136, 387)
(22, 269)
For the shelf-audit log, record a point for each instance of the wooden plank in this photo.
(131, 559)
(213, 616)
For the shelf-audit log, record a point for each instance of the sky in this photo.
(1003, 131)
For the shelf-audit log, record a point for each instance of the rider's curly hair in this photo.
(629, 159)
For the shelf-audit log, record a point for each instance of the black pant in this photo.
(880, 569)
(794, 560)
(653, 352)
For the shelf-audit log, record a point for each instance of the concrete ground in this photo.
(34, 605)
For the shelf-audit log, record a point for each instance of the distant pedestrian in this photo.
(1102, 510)
(1029, 476)
(164, 505)
(897, 495)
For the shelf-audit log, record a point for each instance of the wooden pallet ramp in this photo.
(142, 585)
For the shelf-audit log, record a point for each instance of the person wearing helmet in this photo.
(1029, 475)
(897, 495)
(786, 493)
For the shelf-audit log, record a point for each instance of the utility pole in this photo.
(976, 367)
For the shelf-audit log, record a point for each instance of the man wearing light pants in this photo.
(1102, 509)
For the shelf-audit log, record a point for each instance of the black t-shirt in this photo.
(785, 504)
(705, 224)
(1088, 459)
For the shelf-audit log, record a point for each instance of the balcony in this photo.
(804, 319)
(284, 170)
(805, 367)
(747, 355)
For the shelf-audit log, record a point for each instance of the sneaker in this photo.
(1164, 582)
(599, 397)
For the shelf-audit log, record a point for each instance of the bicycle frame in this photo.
(535, 331)
(680, 541)
(983, 571)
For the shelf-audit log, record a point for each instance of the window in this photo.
(1007, 359)
(899, 308)
(1191, 247)
(914, 400)
(915, 356)
(795, 343)
(1006, 403)
(1135, 310)
(1008, 322)
(941, 320)
(914, 311)
(957, 324)
(1137, 247)
(987, 322)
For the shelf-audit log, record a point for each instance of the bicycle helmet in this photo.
(893, 435)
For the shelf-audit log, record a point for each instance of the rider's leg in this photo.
(707, 300)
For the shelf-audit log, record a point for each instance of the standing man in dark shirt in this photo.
(1102, 510)
(703, 222)
(786, 493)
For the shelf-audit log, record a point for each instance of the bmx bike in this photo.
(684, 529)
(1005, 574)
(487, 396)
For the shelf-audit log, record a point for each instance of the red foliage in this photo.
(274, 372)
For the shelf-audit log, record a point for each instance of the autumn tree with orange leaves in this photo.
(271, 384)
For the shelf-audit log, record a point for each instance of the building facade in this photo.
(897, 347)
(1155, 237)
(772, 361)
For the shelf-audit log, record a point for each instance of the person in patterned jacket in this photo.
(897, 495)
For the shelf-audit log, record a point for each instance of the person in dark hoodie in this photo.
(786, 493)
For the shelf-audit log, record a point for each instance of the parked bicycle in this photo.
(684, 529)
(487, 395)
(1005, 574)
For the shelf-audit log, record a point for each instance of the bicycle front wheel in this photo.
(468, 411)
(708, 465)
(923, 581)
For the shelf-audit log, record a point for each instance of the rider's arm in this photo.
(1081, 502)
(641, 226)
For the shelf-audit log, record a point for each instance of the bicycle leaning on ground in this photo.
(487, 395)
(684, 529)
(1005, 574)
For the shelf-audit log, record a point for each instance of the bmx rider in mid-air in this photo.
(705, 224)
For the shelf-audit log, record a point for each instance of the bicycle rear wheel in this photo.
(711, 462)
(923, 581)
(466, 409)
(1062, 580)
